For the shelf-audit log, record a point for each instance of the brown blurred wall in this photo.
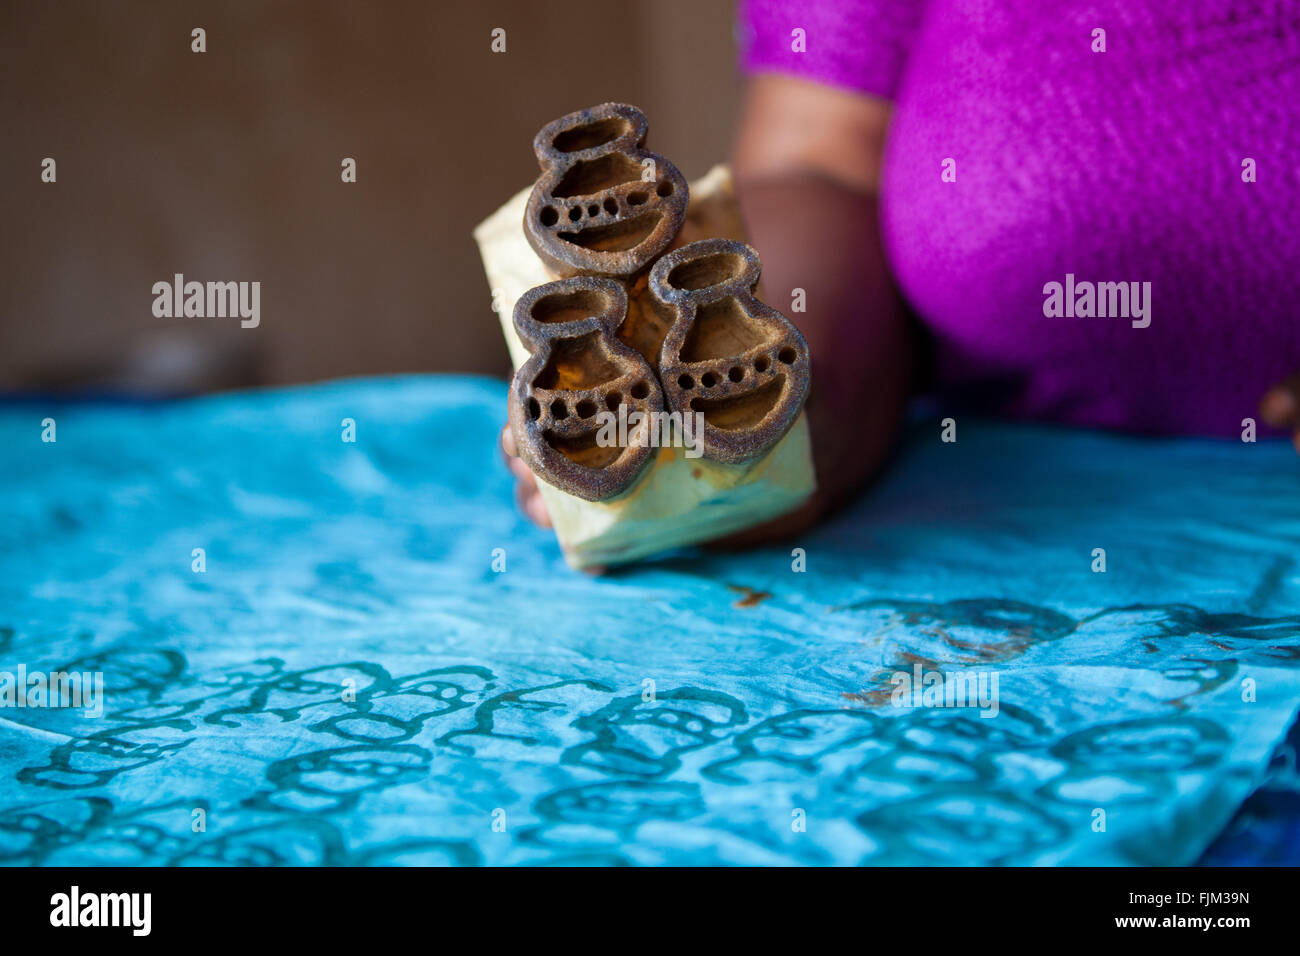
(226, 166)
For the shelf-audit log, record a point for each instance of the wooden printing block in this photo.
(670, 499)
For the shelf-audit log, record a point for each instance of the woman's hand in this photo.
(1280, 407)
(530, 499)
(526, 493)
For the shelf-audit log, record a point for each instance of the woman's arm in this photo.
(807, 168)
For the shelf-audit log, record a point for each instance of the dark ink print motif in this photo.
(937, 635)
(797, 743)
(978, 631)
(333, 780)
(94, 760)
(579, 374)
(603, 205)
(592, 818)
(974, 631)
(538, 718)
(1007, 828)
(29, 835)
(1271, 641)
(289, 694)
(399, 711)
(64, 832)
(635, 737)
(738, 362)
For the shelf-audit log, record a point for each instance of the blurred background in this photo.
(225, 166)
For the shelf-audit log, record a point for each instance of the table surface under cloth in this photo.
(350, 681)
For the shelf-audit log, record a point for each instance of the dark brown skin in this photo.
(807, 170)
(1280, 407)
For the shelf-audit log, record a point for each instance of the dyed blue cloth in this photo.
(349, 679)
(1266, 831)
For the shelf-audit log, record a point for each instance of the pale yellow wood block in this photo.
(678, 500)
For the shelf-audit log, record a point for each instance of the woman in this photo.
(1090, 214)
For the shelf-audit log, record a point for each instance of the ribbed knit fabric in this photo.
(1117, 166)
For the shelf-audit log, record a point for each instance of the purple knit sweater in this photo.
(1020, 155)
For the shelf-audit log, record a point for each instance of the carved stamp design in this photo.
(740, 362)
(603, 204)
(579, 368)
